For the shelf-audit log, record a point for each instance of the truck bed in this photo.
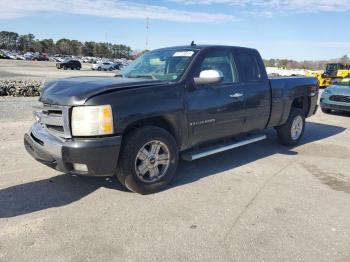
(283, 92)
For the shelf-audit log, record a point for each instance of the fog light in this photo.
(80, 167)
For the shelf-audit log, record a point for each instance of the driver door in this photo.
(216, 111)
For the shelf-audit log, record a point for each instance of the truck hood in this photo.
(76, 91)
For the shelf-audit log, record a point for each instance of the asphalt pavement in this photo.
(261, 202)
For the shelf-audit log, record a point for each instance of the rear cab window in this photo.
(248, 66)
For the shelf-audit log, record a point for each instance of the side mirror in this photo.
(207, 77)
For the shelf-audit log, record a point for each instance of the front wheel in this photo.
(148, 160)
(292, 131)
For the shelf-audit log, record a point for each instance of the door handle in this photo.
(236, 95)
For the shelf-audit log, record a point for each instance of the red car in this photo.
(40, 58)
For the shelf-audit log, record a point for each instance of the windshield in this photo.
(167, 65)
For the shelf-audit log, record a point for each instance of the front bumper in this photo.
(100, 155)
(326, 103)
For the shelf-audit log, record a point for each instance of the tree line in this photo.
(64, 46)
(311, 65)
(28, 43)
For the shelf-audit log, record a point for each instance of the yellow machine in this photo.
(346, 79)
(333, 73)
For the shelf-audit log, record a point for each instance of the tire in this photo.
(65, 68)
(127, 172)
(326, 111)
(99, 69)
(72, 68)
(286, 134)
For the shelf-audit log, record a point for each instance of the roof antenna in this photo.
(193, 44)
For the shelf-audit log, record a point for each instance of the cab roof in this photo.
(201, 47)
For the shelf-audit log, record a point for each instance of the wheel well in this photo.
(154, 121)
(302, 103)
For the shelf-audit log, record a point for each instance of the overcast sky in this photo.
(299, 29)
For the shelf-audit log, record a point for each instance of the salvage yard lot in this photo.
(42, 70)
(262, 202)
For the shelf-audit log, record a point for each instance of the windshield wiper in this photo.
(143, 76)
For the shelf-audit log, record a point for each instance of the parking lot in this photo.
(42, 70)
(261, 202)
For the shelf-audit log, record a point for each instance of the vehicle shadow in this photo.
(190, 172)
(55, 191)
(64, 189)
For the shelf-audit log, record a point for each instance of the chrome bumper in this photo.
(45, 140)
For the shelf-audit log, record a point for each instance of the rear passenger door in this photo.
(253, 78)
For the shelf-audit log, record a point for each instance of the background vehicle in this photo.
(333, 73)
(20, 57)
(40, 58)
(106, 66)
(4, 56)
(190, 101)
(336, 97)
(69, 64)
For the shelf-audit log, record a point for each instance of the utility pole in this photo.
(147, 32)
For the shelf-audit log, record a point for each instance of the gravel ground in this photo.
(262, 202)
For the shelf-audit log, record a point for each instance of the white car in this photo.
(103, 66)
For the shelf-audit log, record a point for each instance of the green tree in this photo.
(47, 46)
(63, 46)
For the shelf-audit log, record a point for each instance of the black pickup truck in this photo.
(189, 101)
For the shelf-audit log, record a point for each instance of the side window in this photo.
(248, 66)
(221, 61)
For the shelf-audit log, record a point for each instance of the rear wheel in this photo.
(292, 131)
(148, 160)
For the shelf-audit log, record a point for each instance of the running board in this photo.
(204, 152)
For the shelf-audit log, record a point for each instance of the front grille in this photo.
(55, 119)
(344, 99)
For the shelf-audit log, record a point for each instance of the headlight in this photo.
(327, 91)
(92, 120)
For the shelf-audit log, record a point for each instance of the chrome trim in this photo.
(51, 144)
(190, 156)
(60, 120)
(49, 120)
(66, 124)
(236, 95)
